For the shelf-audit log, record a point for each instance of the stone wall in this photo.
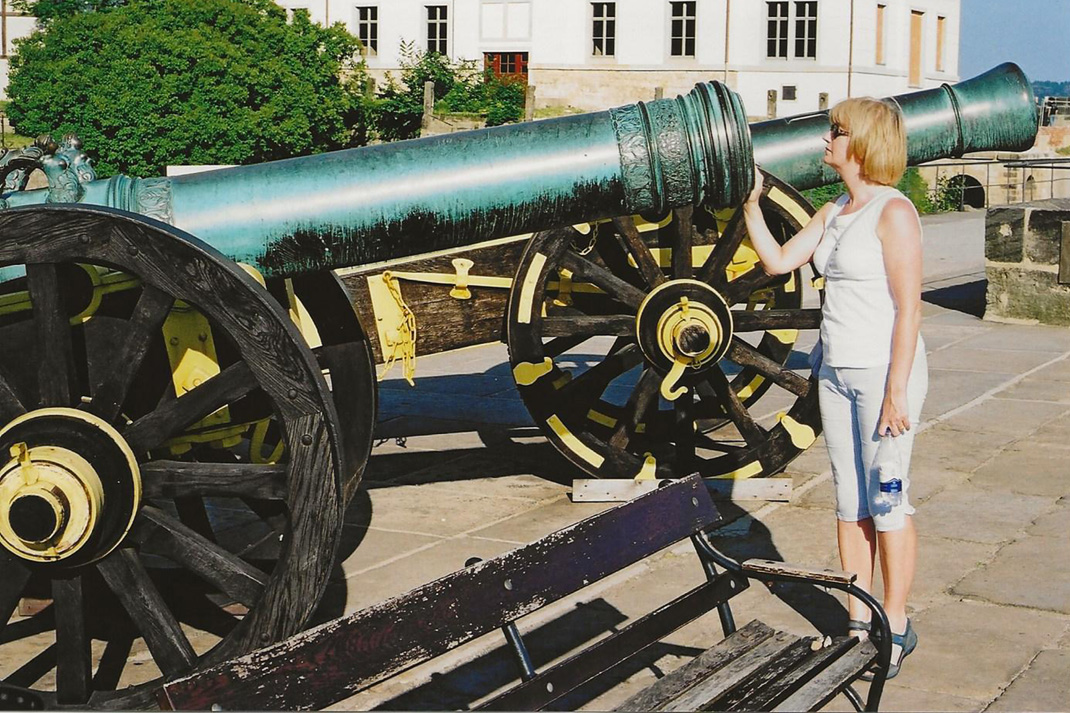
(1022, 255)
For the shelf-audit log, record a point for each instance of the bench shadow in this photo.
(463, 686)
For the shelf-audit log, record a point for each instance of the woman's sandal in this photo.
(855, 625)
(907, 642)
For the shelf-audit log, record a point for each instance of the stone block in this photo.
(1004, 234)
(1044, 233)
(967, 512)
(1020, 293)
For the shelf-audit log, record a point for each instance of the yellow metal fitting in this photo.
(460, 291)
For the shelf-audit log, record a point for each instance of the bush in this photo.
(156, 82)
(459, 88)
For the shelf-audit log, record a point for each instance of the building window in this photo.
(806, 29)
(604, 29)
(917, 20)
(682, 39)
(788, 91)
(368, 30)
(436, 29)
(941, 36)
(510, 65)
(880, 34)
(803, 31)
(776, 42)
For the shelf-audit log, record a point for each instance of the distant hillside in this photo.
(1051, 89)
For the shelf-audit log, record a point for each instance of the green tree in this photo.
(154, 82)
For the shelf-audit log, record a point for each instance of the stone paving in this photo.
(460, 472)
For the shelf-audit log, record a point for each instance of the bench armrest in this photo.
(782, 570)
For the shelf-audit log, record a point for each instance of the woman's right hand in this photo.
(756, 192)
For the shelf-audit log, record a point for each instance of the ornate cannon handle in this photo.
(64, 163)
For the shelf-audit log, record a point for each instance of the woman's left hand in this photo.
(895, 418)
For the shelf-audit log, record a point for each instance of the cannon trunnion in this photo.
(184, 432)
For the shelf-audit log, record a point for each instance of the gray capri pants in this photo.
(850, 400)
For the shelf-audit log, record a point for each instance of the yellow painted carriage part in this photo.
(573, 443)
(103, 283)
(526, 373)
(746, 471)
(802, 436)
(192, 354)
(649, 468)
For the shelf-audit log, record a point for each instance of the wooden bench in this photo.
(752, 668)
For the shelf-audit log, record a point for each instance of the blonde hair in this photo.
(877, 137)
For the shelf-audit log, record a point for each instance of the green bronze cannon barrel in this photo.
(364, 205)
(992, 111)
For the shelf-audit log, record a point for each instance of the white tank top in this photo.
(858, 316)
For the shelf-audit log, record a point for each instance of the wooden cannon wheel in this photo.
(92, 500)
(604, 328)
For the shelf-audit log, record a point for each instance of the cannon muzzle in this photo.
(366, 205)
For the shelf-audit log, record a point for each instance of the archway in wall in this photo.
(1030, 189)
(967, 190)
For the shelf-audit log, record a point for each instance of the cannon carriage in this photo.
(188, 391)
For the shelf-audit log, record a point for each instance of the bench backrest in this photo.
(334, 660)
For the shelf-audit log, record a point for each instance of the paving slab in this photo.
(951, 388)
(972, 650)
(1054, 435)
(1039, 388)
(967, 512)
(943, 448)
(898, 697)
(942, 562)
(532, 524)
(1059, 371)
(1055, 524)
(1005, 417)
(1001, 361)
(1028, 471)
(1017, 337)
(1030, 572)
(1043, 686)
(940, 336)
(437, 509)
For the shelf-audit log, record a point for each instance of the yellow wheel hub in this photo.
(58, 503)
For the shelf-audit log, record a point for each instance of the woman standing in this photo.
(873, 375)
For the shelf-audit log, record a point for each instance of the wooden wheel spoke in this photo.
(648, 266)
(173, 416)
(169, 479)
(55, 361)
(752, 433)
(10, 403)
(703, 440)
(206, 559)
(611, 325)
(13, 578)
(149, 313)
(618, 289)
(126, 576)
(740, 289)
(683, 238)
(760, 320)
(642, 397)
(747, 356)
(590, 384)
(713, 272)
(684, 430)
(73, 654)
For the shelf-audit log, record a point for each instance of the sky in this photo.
(1033, 33)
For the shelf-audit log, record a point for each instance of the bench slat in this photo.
(334, 660)
(705, 694)
(823, 687)
(739, 697)
(568, 675)
(786, 684)
(676, 682)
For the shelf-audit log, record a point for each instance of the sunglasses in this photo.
(837, 131)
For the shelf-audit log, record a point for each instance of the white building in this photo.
(13, 24)
(593, 55)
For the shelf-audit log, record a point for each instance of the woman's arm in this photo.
(779, 259)
(900, 233)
